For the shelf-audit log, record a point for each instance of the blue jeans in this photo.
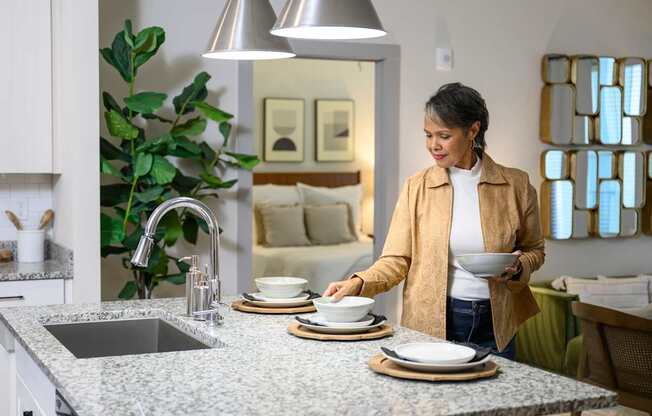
(470, 321)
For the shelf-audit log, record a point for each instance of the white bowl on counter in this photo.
(442, 353)
(486, 264)
(348, 309)
(281, 287)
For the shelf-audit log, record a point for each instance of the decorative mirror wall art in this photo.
(632, 77)
(334, 131)
(598, 182)
(283, 130)
(584, 75)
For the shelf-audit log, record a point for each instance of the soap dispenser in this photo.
(197, 289)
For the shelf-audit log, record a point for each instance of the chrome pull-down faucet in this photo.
(146, 243)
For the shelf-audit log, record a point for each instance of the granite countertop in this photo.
(256, 367)
(58, 264)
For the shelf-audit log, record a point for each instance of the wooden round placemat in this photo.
(380, 364)
(300, 331)
(243, 306)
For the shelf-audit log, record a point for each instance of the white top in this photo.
(466, 234)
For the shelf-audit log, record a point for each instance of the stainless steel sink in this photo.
(122, 337)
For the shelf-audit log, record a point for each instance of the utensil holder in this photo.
(30, 246)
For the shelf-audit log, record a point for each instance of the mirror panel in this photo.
(632, 78)
(582, 130)
(608, 71)
(554, 164)
(584, 172)
(607, 164)
(646, 212)
(649, 165)
(557, 209)
(581, 224)
(632, 130)
(609, 122)
(629, 223)
(631, 170)
(557, 113)
(555, 69)
(584, 74)
(608, 218)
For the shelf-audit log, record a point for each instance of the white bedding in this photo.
(319, 264)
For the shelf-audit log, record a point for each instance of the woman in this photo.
(465, 203)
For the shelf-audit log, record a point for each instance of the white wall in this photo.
(497, 49)
(27, 196)
(312, 79)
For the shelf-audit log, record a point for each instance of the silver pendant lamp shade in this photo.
(242, 32)
(328, 19)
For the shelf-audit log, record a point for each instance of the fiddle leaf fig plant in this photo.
(137, 168)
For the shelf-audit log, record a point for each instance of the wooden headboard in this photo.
(328, 179)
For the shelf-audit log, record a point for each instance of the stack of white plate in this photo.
(280, 292)
(435, 357)
(325, 326)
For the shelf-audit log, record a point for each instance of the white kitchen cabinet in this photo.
(34, 391)
(7, 372)
(26, 84)
(31, 292)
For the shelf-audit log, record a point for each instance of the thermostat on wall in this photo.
(443, 59)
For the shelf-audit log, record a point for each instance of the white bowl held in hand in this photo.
(349, 309)
(281, 287)
(435, 352)
(486, 264)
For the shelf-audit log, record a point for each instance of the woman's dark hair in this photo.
(457, 105)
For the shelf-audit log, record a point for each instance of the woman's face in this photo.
(449, 146)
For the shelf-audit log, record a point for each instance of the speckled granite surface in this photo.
(58, 264)
(258, 368)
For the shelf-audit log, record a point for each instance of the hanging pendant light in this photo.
(242, 32)
(328, 19)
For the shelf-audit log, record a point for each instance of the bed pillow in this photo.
(352, 195)
(610, 293)
(284, 225)
(640, 277)
(329, 224)
(270, 194)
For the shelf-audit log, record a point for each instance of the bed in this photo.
(320, 264)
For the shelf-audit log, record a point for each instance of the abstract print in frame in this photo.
(283, 130)
(334, 131)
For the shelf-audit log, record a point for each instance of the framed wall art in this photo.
(334, 131)
(283, 137)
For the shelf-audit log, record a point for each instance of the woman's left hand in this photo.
(512, 269)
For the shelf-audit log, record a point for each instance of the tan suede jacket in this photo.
(416, 248)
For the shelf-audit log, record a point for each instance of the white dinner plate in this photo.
(437, 368)
(321, 319)
(279, 303)
(435, 352)
(342, 331)
(263, 298)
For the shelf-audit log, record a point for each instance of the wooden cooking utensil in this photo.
(46, 219)
(14, 219)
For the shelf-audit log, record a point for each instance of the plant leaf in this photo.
(172, 227)
(184, 184)
(150, 194)
(107, 54)
(225, 130)
(119, 127)
(145, 102)
(158, 262)
(211, 112)
(162, 170)
(176, 279)
(242, 160)
(188, 145)
(192, 127)
(146, 42)
(110, 103)
(216, 183)
(128, 290)
(111, 250)
(143, 165)
(110, 230)
(190, 229)
(114, 194)
(133, 216)
(141, 39)
(155, 117)
(158, 144)
(207, 151)
(129, 36)
(122, 56)
(107, 168)
(194, 92)
(110, 152)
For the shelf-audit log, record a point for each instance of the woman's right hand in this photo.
(349, 287)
